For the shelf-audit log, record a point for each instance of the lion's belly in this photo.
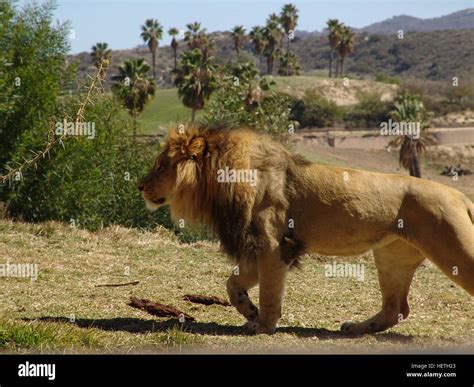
(348, 228)
(345, 247)
(335, 216)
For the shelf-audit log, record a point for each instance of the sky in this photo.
(118, 22)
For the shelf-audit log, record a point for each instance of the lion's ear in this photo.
(196, 147)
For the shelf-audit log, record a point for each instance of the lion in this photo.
(294, 207)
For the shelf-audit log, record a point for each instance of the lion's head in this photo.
(186, 175)
(183, 151)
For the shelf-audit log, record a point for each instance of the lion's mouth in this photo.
(159, 201)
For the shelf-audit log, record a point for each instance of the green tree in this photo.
(289, 20)
(334, 36)
(33, 75)
(289, 65)
(408, 108)
(273, 35)
(196, 80)
(257, 39)
(346, 46)
(197, 38)
(239, 37)
(193, 35)
(173, 32)
(133, 87)
(251, 102)
(152, 33)
(100, 52)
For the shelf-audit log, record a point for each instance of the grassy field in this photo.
(166, 108)
(162, 110)
(64, 311)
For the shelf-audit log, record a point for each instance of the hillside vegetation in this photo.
(438, 55)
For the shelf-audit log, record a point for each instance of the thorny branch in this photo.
(94, 86)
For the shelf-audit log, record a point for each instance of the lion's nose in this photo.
(140, 186)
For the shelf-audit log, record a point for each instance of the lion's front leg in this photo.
(272, 272)
(243, 278)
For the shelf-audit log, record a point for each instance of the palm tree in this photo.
(257, 38)
(133, 87)
(346, 46)
(335, 35)
(152, 32)
(100, 51)
(195, 78)
(197, 37)
(173, 32)
(289, 65)
(272, 34)
(289, 20)
(408, 108)
(239, 37)
(193, 34)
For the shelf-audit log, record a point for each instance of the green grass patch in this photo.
(164, 109)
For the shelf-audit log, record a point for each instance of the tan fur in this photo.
(334, 211)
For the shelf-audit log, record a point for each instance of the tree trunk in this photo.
(415, 166)
(330, 63)
(288, 56)
(193, 115)
(269, 65)
(135, 124)
(337, 68)
(342, 67)
(175, 58)
(153, 54)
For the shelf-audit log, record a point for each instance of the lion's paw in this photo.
(257, 328)
(349, 327)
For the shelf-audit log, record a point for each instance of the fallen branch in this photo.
(157, 309)
(205, 300)
(117, 285)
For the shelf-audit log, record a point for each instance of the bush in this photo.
(382, 77)
(369, 112)
(91, 182)
(314, 110)
(36, 76)
(245, 99)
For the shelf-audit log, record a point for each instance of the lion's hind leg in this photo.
(243, 278)
(396, 263)
(453, 252)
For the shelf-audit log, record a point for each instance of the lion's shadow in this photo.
(137, 325)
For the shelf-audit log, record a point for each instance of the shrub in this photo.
(36, 76)
(314, 110)
(91, 182)
(245, 99)
(369, 112)
(382, 77)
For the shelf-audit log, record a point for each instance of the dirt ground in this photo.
(371, 154)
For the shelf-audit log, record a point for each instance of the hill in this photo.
(437, 55)
(455, 21)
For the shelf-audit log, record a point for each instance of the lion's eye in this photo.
(160, 168)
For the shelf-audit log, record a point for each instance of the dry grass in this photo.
(63, 311)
